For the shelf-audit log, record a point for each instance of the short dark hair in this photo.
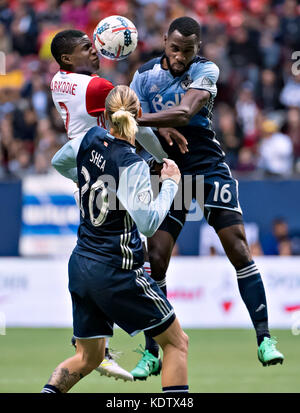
(64, 42)
(186, 26)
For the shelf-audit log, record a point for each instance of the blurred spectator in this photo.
(275, 153)
(292, 129)
(290, 94)
(269, 42)
(278, 242)
(267, 94)
(210, 244)
(248, 113)
(230, 135)
(21, 165)
(290, 25)
(246, 160)
(6, 14)
(51, 13)
(251, 42)
(24, 30)
(75, 12)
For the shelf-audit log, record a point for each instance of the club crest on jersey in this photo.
(186, 82)
(144, 197)
(206, 82)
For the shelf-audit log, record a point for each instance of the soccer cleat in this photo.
(147, 366)
(110, 368)
(267, 353)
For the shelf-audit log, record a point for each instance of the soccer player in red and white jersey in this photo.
(78, 93)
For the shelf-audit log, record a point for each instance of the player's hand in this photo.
(170, 170)
(171, 134)
(154, 166)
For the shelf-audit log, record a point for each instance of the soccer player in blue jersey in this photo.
(106, 277)
(178, 90)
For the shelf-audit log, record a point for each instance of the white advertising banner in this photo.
(203, 291)
(34, 292)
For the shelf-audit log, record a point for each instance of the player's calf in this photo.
(174, 343)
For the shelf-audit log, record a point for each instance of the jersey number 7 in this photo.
(67, 120)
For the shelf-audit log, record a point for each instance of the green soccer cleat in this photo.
(147, 366)
(267, 353)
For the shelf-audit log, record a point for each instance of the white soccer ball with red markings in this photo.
(115, 37)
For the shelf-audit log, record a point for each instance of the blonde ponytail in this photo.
(122, 106)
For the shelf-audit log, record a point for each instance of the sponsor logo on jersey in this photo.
(158, 104)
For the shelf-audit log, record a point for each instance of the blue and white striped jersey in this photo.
(116, 199)
(158, 90)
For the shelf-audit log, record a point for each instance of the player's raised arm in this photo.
(134, 189)
(180, 115)
(64, 161)
(136, 195)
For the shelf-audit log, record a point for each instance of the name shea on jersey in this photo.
(98, 160)
(63, 87)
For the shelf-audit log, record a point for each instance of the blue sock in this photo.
(253, 294)
(48, 388)
(175, 389)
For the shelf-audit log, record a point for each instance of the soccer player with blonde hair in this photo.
(107, 281)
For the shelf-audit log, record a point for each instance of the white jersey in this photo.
(80, 100)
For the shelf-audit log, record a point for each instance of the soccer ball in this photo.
(115, 37)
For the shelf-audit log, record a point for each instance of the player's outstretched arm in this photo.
(179, 115)
(135, 194)
(64, 161)
(149, 141)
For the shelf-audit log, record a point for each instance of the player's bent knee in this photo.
(90, 359)
(91, 363)
(184, 343)
(174, 336)
(159, 264)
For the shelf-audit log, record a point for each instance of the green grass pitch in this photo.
(220, 361)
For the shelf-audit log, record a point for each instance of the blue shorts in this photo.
(103, 295)
(219, 190)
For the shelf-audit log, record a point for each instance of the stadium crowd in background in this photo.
(257, 111)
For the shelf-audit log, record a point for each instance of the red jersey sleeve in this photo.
(97, 90)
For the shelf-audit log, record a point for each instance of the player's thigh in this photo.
(220, 191)
(136, 303)
(85, 280)
(235, 244)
